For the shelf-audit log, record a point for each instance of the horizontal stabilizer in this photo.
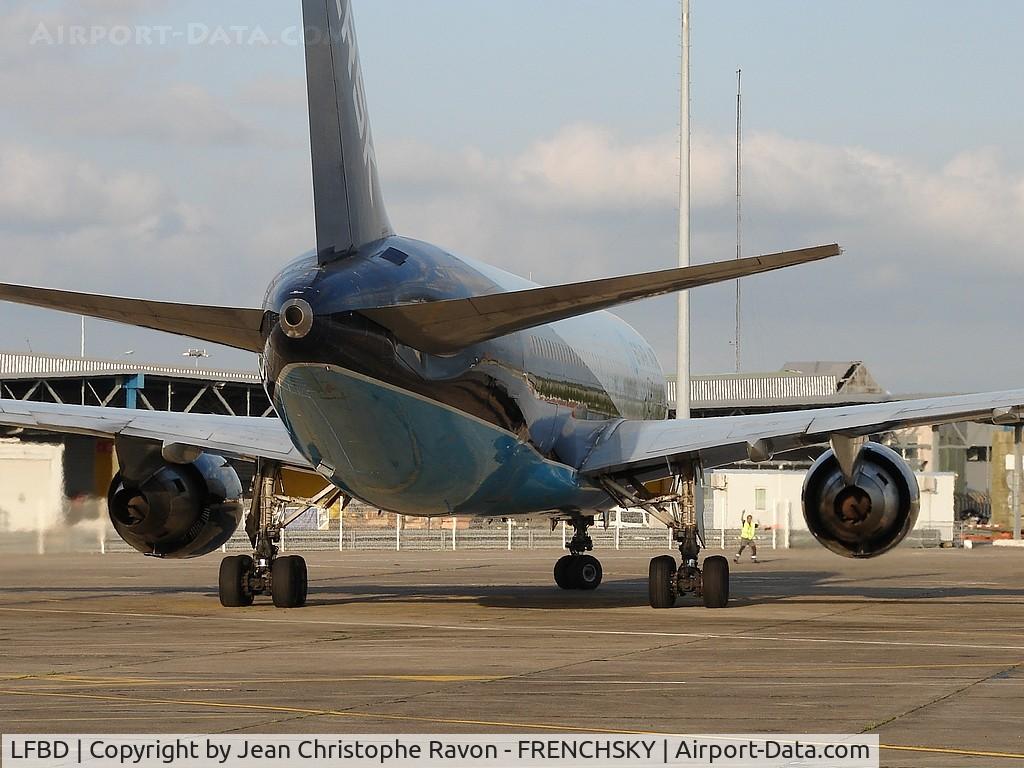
(440, 327)
(233, 327)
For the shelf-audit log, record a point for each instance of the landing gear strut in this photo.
(266, 572)
(667, 581)
(578, 570)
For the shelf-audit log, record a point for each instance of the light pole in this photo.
(683, 343)
(1018, 470)
(196, 354)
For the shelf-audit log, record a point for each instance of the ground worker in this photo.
(747, 533)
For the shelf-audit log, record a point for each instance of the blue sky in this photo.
(905, 75)
(539, 136)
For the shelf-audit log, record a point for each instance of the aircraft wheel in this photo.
(715, 581)
(233, 585)
(586, 572)
(300, 565)
(562, 576)
(660, 582)
(289, 582)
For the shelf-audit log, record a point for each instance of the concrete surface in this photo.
(926, 647)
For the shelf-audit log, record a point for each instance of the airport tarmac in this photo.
(924, 647)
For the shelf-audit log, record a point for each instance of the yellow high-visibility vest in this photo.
(747, 531)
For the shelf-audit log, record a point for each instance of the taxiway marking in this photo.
(953, 751)
(345, 714)
(83, 680)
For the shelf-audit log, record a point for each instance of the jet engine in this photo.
(177, 511)
(867, 513)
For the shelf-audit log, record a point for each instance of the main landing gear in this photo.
(667, 581)
(285, 580)
(577, 570)
(266, 572)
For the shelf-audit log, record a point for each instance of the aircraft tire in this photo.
(660, 577)
(289, 582)
(586, 572)
(563, 566)
(234, 572)
(715, 581)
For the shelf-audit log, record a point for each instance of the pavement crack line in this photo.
(522, 676)
(526, 676)
(504, 629)
(944, 697)
(83, 672)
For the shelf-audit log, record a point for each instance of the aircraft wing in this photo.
(645, 448)
(238, 437)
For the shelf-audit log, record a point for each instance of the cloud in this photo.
(60, 193)
(78, 91)
(973, 198)
(586, 166)
(583, 167)
(167, 113)
(284, 94)
(21, 21)
(183, 113)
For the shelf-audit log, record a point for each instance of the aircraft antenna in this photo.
(739, 208)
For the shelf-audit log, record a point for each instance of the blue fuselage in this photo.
(496, 429)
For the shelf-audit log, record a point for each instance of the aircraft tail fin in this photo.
(446, 326)
(349, 206)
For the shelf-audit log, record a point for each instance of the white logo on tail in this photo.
(348, 35)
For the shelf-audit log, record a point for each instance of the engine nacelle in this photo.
(869, 516)
(179, 510)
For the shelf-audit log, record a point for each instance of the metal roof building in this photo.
(14, 365)
(797, 386)
(128, 384)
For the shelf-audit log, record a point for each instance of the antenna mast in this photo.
(739, 207)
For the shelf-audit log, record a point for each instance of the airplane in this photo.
(429, 384)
